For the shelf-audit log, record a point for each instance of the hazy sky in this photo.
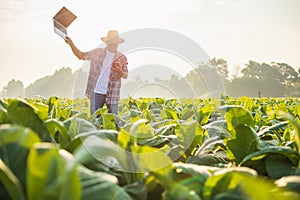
(236, 30)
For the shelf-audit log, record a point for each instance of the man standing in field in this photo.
(107, 68)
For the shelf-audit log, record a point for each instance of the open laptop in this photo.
(62, 20)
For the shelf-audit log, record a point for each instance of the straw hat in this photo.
(112, 37)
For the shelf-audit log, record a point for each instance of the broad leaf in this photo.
(10, 183)
(48, 177)
(97, 185)
(76, 126)
(244, 143)
(141, 130)
(108, 121)
(227, 181)
(111, 135)
(285, 151)
(58, 132)
(203, 113)
(278, 166)
(15, 142)
(190, 135)
(22, 113)
(236, 116)
(149, 158)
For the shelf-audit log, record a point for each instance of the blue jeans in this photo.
(97, 101)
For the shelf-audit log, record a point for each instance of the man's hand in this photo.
(68, 40)
(116, 67)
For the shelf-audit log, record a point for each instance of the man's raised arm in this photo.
(75, 50)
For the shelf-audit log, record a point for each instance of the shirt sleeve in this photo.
(85, 55)
(92, 54)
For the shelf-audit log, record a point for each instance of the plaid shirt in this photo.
(96, 57)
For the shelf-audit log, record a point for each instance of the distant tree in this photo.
(14, 88)
(221, 66)
(262, 71)
(195, 78)
(236, 72)
(275, 80)
(289, 77)
(287, 72)
(61, 84)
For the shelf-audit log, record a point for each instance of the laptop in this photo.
(62, 20)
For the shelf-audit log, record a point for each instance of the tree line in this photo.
(254, 80)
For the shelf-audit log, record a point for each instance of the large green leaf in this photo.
(183, 181)
(189, 177)
(11, 183)
(22, 113)
(203, 113)
(142, 104)
(248, 103)
(262, 189)
(141, 130)
(48, 176)
(149, 158)
(209, 145)
(58, 132)
(77, 126)
(97, 113)
(15, 142)
(108, 121)
(108, 153)
(156, 141)
(111, 135)
(125, 139)
(244, 143)
(207, 159)
(41, 110)
(169, 113)
(217, 128)
(165, 127)
(101, 150)
(284, 151)
(227, 181)
(236, 115)
(278, 166)
(137, 159)
(190, 135)
(187, 114)
(99, 185)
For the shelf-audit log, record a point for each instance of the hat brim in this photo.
(112, 41)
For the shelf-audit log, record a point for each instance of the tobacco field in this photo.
(203, 148)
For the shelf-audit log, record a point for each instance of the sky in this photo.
(236, 30)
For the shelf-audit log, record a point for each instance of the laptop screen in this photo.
(62, 20)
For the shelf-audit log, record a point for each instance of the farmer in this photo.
(107, 67)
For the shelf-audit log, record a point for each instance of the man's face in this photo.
(112, 47)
